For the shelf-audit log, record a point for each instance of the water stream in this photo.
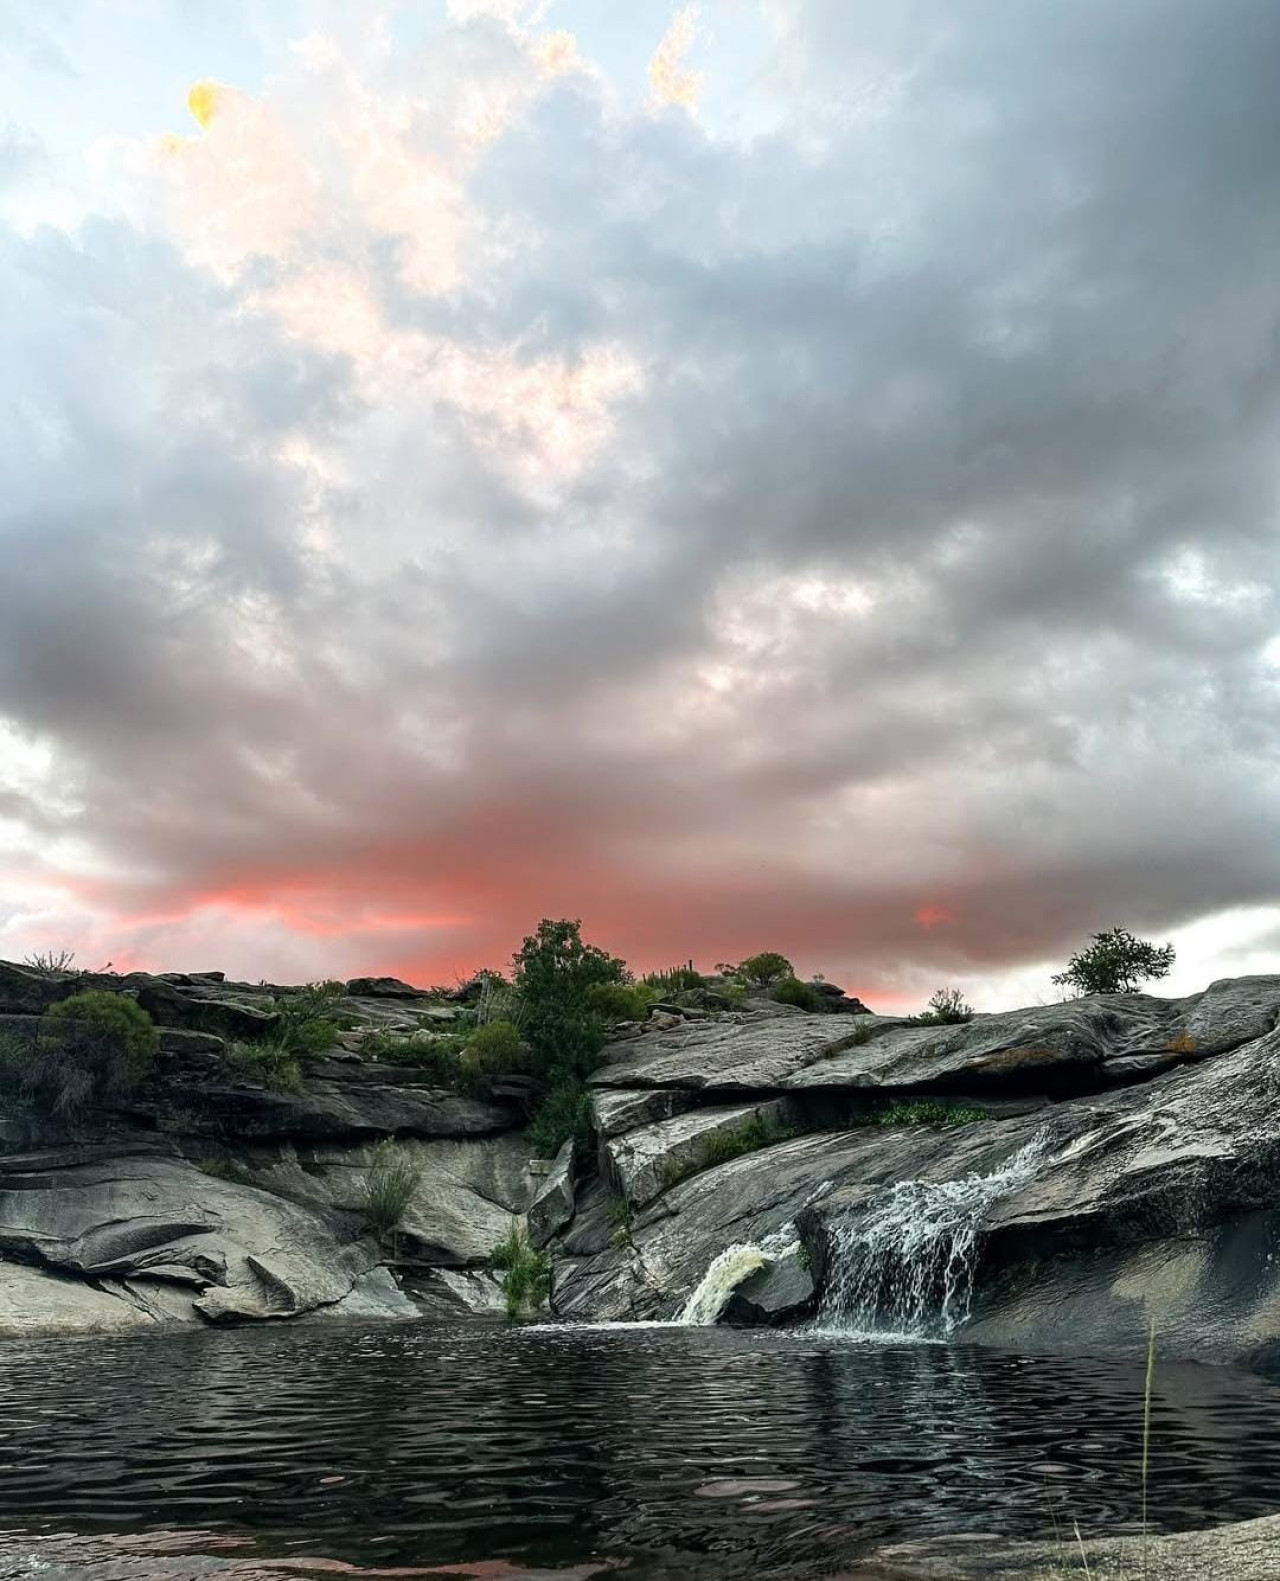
(904, 1266)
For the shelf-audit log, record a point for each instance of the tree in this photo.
(1115, 963)
(554, 972)
(765, 969)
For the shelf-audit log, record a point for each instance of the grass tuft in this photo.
(389, 1185)
(525, 1273)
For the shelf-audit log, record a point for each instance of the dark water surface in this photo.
(552, 1446)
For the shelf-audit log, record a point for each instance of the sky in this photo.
(761, 474)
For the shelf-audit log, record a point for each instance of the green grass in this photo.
(462, 1062)
(924, 1111)
(618, 1212)
(389, 1185)
(525, 1274)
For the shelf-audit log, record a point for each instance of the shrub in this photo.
(309, 1019)
(947, 1007)
(763, 970)
(564, 1113)
(791, 991)
(389, 1185)
(495, 1046)
(525, 1273)
(50, 963)
(86, 1049)
(1115, 962)
(443, 1056)
(272, 1064)
(614, 1002)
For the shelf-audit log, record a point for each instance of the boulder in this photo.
(781, 1292)
(645, 1162)
(227, 1252)
(169, 1006)
(552, 1208)
(383, 988)
(27, 993)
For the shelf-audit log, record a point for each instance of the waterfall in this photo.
(727, 1272)
(905, 1265)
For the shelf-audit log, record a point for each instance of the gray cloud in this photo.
(930, 564)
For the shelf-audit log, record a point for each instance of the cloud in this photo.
(670, 80)
(447, 493)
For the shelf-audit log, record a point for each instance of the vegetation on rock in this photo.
(763, 970)
(804, 996)
(555, 974)
(1115, 962)
(525, 1274)
(273, 1064)
(389, 1185)
(947, 1007)
(85, 1050)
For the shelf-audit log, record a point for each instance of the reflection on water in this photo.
(429, 1446)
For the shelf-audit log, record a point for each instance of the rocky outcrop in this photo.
(205, 1196)
(1153, 1195)
(1119, 1164)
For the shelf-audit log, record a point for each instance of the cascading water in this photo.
(905, 1266)
(727, 1272)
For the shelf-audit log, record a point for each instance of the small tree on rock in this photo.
(1115, 962)
(765, 969)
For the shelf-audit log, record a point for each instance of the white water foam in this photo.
(727, 1272)
(904, 1267)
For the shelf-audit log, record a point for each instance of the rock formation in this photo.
(1118, 1163)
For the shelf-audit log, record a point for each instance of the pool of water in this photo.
(675, 1449)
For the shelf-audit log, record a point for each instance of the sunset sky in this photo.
(794, 474)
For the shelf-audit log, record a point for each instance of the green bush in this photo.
(496, 1047)
(525, 1273)
(564, 1113)
(791, 991)
(947, 1007)
(389, 1185)
(272, 1064)
(86, 1050)
(614, 1002)
(618, 1212)
(309, 1019)
(442, 1056)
